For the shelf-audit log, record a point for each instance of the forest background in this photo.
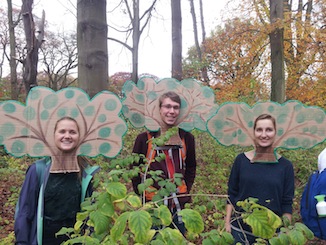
(234, 60)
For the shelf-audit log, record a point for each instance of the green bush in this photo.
(208, 193)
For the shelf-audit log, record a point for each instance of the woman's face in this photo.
(66, 135)
(264, 133)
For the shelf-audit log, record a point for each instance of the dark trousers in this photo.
(52, 227)
(241, 238)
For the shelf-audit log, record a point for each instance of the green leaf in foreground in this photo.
(263, 223)
(193, 220)
(119, 226)
(165, 215)
(100, 221)
(140, 223)
(117, 190)
(172, 236)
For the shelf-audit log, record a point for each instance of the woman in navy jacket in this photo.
(50, 198)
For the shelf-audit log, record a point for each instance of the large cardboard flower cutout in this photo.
(28, 129)
(141, 103)
(297, 125)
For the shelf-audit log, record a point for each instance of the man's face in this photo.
(169, 111)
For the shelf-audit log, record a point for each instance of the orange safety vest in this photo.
(150, 155)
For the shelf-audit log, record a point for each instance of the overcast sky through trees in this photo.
(155, 44)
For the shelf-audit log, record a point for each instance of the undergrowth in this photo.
(214, 163)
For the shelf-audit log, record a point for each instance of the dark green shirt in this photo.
(62, 196)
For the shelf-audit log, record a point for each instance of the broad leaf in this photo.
(100, 221)
(119, 226)
(263, 222)
(297, 237)
(281, 239)
(105, 204)
(140, 223)
(193, 220)
(172, 236)
(117, 190)
(165, 215)
(134, 201)
(302, 227)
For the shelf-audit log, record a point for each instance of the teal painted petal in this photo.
(102, 118)
(38, 149)
(25, 131)
(44, 115)
(34, 94)
(104, 148)
(89, 110)
(271, 109)
(319, 117)
(208, 93)
(85, 149)
(62, 112)
(50, 101)
(111, 104)
(9, 108)
(82, 100)
(29, 113)
(69, 94)
(18, 147)
(141, 84)
(128, 86)
(7, 129)
(140, 98)
(137, 119)
(120, 130)
(104, 132)
(74, 113)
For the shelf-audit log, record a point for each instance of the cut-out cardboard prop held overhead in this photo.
(29, 129)
(141, 103)
(297, 125)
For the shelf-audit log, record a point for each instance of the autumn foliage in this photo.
(237, 54)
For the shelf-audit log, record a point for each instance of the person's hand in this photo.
(227, 226)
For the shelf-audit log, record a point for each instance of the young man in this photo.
(180, 157)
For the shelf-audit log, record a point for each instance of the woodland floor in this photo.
(7, 211)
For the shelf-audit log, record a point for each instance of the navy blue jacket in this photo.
(29, 212)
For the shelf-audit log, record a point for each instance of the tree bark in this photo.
(92, 46)
(12, 60)
(277, 52)
(176, 39)
(199, 48)
(135, 40)
(33, 44)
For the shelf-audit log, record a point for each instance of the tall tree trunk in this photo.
(277, 52)
(203, 69)
(135, 40)
(12, 59)
(176, 39)
(33, 44)
(92, 46)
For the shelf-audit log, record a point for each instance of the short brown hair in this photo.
(171, 95)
